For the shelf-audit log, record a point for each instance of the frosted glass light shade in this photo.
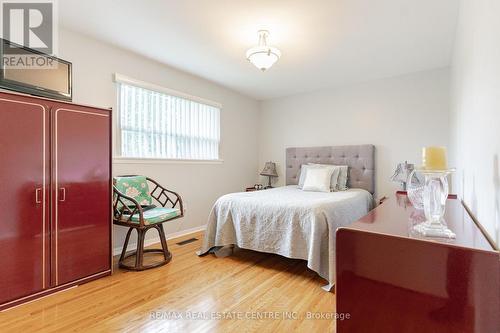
(263, 57)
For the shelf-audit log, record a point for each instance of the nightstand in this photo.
(252, 188)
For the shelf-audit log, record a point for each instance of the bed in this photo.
(291, 222)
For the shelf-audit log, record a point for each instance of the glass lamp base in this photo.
(434, 229)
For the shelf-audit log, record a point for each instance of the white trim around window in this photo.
(144, 160)
(161, 125)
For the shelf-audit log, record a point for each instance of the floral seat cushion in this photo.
(135, 187)
(156, 215)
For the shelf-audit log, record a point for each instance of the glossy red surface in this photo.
(396, 216)
(81, 192)
(390, 282)
(45, 151)
(24, 222)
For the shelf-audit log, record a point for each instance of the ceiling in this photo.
(323, 42)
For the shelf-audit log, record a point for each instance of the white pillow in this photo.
(303, 172)
(334, 178)
(335, 182)
(318, 179)
(342, 181)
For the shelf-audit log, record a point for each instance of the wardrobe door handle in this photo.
(38, 191)
(62, 197)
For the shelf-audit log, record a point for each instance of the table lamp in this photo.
(269, 171)
(401, 174)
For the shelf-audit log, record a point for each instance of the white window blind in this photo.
(155, 124)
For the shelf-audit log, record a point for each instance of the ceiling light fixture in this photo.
(263, 56)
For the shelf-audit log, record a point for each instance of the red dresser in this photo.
(55, 180)
(389, 281)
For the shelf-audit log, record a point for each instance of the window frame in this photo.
(119, 158)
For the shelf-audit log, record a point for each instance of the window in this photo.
(159, 123)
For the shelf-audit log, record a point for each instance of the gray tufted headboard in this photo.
(359, 158)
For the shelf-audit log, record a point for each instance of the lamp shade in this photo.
(269, 170)
(402, 172)
(263, 56)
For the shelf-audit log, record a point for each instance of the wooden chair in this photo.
(133, 207)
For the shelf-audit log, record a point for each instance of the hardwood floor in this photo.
(246, 292)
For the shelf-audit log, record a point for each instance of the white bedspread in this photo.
(286, 221)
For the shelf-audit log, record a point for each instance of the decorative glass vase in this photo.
(435, 194)
(415, 189)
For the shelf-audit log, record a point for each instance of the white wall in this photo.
(391, 113)
(398, 115)
(475, 124)
(94, 64)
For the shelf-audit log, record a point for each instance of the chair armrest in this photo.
(164, 196)
(121, 198)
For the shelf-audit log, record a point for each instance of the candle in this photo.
(434, 158)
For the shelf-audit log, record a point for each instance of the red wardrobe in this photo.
(55, 203)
